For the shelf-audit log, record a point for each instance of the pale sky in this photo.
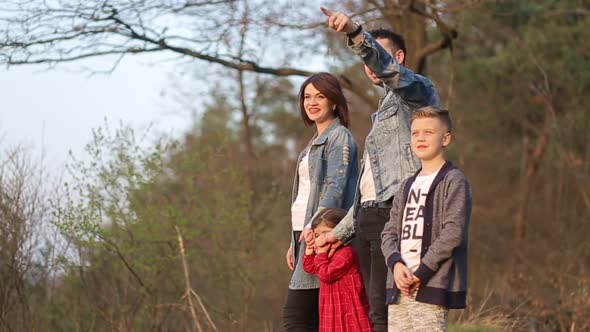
(55, 110)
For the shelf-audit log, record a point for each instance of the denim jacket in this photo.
(388, 142)
(333, 171)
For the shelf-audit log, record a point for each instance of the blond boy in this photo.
(425, 240)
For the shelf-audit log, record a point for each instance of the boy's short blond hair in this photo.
(433, 112)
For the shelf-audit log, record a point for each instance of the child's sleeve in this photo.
(457, 211)
(309, 265)
(332, 269)
(389, 236)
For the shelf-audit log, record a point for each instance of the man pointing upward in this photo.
(388, 158)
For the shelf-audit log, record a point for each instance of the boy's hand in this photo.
(338, 21)
(403, 278)
(416, 285)
(289, 258)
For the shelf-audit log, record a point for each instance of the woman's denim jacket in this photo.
(333, 171)
(388, 142)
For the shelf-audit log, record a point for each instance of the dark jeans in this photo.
(301, 312)
(369, 225)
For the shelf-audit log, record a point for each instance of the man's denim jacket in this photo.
(333, 171)
(388, 142)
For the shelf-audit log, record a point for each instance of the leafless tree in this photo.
(22, 211)
(51, 32)
(57, 31)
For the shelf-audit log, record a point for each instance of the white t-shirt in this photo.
(367, 184)
(413, 221)
(299, 207)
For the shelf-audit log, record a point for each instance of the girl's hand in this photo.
(321, 246)
(289, 258)
(308, 236)
(320, 241)
(322, 250)
(334, 243)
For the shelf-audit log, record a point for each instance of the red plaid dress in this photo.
(343, 301)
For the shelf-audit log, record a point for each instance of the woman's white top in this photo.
(299, 207)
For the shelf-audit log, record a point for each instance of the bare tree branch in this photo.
(190, 292)
(67, 31)
(22, 212)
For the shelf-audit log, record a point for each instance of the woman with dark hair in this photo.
(326, 176)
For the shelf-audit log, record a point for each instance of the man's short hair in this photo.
(433, 112)
(397, 40)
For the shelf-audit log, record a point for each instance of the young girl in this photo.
(343, 302)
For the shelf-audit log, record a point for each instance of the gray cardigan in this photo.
(443, 264)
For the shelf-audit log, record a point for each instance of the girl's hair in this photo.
(329, 217)
(329, 86)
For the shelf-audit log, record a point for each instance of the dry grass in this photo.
(485, 317)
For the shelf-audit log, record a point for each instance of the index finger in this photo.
(326, 11)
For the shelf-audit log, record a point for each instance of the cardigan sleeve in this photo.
(455, 222)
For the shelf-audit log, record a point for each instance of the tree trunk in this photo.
(412, 27)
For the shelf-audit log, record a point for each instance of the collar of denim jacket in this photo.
(324, 136)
